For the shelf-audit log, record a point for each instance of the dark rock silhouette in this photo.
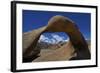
(57, 24)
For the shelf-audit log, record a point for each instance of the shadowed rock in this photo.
(56, 24)
(30, 40)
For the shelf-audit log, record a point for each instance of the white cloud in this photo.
(58, 38)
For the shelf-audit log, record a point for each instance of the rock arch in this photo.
(56, 24)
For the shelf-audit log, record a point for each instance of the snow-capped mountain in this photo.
(54, 40)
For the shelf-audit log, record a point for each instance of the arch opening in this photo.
(52, 40)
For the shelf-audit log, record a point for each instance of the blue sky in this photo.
(36, 19)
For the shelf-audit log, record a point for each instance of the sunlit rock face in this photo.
(58, 23)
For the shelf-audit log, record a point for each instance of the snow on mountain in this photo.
(54, 40)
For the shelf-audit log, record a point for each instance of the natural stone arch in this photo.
(56, 24)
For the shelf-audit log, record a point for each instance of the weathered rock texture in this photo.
(56, 24)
